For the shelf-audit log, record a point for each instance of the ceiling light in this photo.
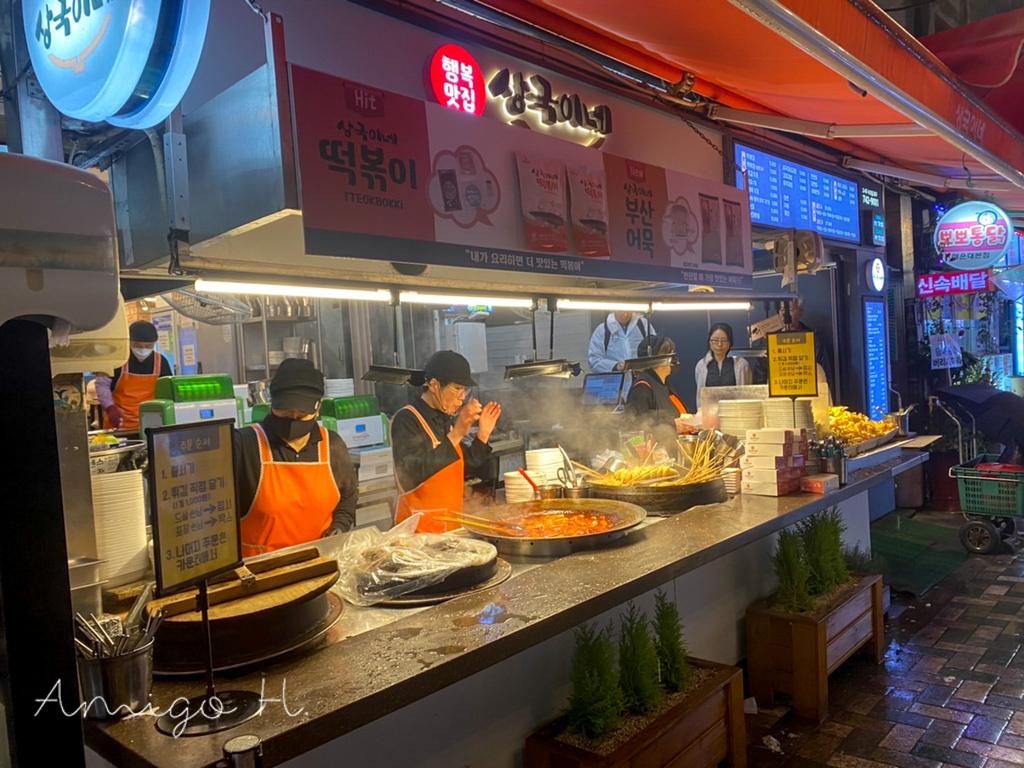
(411, 297)
(606, 306)
(301, 291)
(698, 306)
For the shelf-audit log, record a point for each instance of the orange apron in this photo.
(132, 389)
(675, 400)
(438, 494)
(294, 502)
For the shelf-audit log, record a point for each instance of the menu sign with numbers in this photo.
(791, 368)
(192, 502)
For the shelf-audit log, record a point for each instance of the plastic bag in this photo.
(379, 566)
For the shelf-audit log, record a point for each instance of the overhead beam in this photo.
(815, 129)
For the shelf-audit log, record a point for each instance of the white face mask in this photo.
(142, 353)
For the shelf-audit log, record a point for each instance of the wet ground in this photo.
(950, 691)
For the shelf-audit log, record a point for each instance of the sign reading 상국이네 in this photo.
(193, 504)
(791, 368)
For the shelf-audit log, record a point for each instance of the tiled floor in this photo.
(949, 693)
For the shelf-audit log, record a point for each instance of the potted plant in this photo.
(818, 617)
(660, 707)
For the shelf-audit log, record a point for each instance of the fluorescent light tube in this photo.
(302, 291)
(698, 306)
(412, 297)
(607, 306)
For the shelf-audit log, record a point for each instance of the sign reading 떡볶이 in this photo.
(791, 368)
(973, 235)
(953, 283)
(192, 503)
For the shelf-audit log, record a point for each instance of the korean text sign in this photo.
(951, 283)
(385, 175)
(193, 503)
(791, 368)
(973, 235)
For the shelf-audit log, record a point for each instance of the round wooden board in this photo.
(263, 601)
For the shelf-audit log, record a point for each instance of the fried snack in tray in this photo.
(852, 427)
(706, 464)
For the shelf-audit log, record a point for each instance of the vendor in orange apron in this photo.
(652, 402)
(135, 382)
(426, 441)
(295, 480)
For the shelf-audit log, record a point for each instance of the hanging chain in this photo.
(256, 7)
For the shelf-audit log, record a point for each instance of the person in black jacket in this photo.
(652, 404)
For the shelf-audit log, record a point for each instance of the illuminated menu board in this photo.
(787, 194)
(874, 346)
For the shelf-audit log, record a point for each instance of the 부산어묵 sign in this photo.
(791, 368)
(126, 62)
(192, 503)
(973, 235)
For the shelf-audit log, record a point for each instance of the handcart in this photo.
(992, 499)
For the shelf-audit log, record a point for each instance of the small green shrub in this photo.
(595, 703)
(861, 561)
(673, 659)
(638, 663)
(821, 536)
(791, 573)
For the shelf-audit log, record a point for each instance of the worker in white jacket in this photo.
(615, 341)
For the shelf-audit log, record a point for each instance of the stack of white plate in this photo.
(334, 388)
(119, 511)
(517, 489)
(735, 417)
(542, 465)
(731, 477)
(779, 414)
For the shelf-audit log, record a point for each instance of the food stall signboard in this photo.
(128, 62)
(193, 503)
(953, 283)
(973, 235)
(791, 368)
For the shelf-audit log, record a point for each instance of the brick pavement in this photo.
(949, 693)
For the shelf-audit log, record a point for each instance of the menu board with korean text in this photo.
(386, 176)
(791, 368)
(877, 368)
(193, 503)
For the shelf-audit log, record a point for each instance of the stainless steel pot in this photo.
(549, 492)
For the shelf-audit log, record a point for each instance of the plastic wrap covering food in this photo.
(379, 566)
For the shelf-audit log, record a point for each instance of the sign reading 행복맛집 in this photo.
(192, 502)
(791, 367)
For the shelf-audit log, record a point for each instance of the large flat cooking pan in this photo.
(625, 516)
(666, 499)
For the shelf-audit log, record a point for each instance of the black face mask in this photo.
(290, 429)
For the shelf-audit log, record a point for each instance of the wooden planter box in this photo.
(701, 731)
(795, 653)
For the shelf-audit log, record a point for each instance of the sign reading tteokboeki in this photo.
(385, 176)
(973, 235)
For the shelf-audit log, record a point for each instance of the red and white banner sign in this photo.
(386, 176)
(948, 284)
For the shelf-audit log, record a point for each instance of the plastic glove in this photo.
(114, 416)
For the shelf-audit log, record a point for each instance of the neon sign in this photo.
(457, 80)
(126, 62)
(973, 235)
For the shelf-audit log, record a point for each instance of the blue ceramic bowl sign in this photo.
(127, 62)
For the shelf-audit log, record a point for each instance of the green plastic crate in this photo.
(992, 492)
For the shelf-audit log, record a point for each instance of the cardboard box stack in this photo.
(773, 462)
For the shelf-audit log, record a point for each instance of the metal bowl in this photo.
(629, 516)
(667, 499)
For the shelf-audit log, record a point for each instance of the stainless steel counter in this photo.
(378, 661)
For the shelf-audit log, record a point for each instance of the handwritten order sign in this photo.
(791, 368)
(192, 503)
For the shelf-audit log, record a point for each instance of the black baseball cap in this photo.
(297, 384)
(142, 331)
(449, 366)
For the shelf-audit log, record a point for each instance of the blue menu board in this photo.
(788, 194)
(877, 363)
